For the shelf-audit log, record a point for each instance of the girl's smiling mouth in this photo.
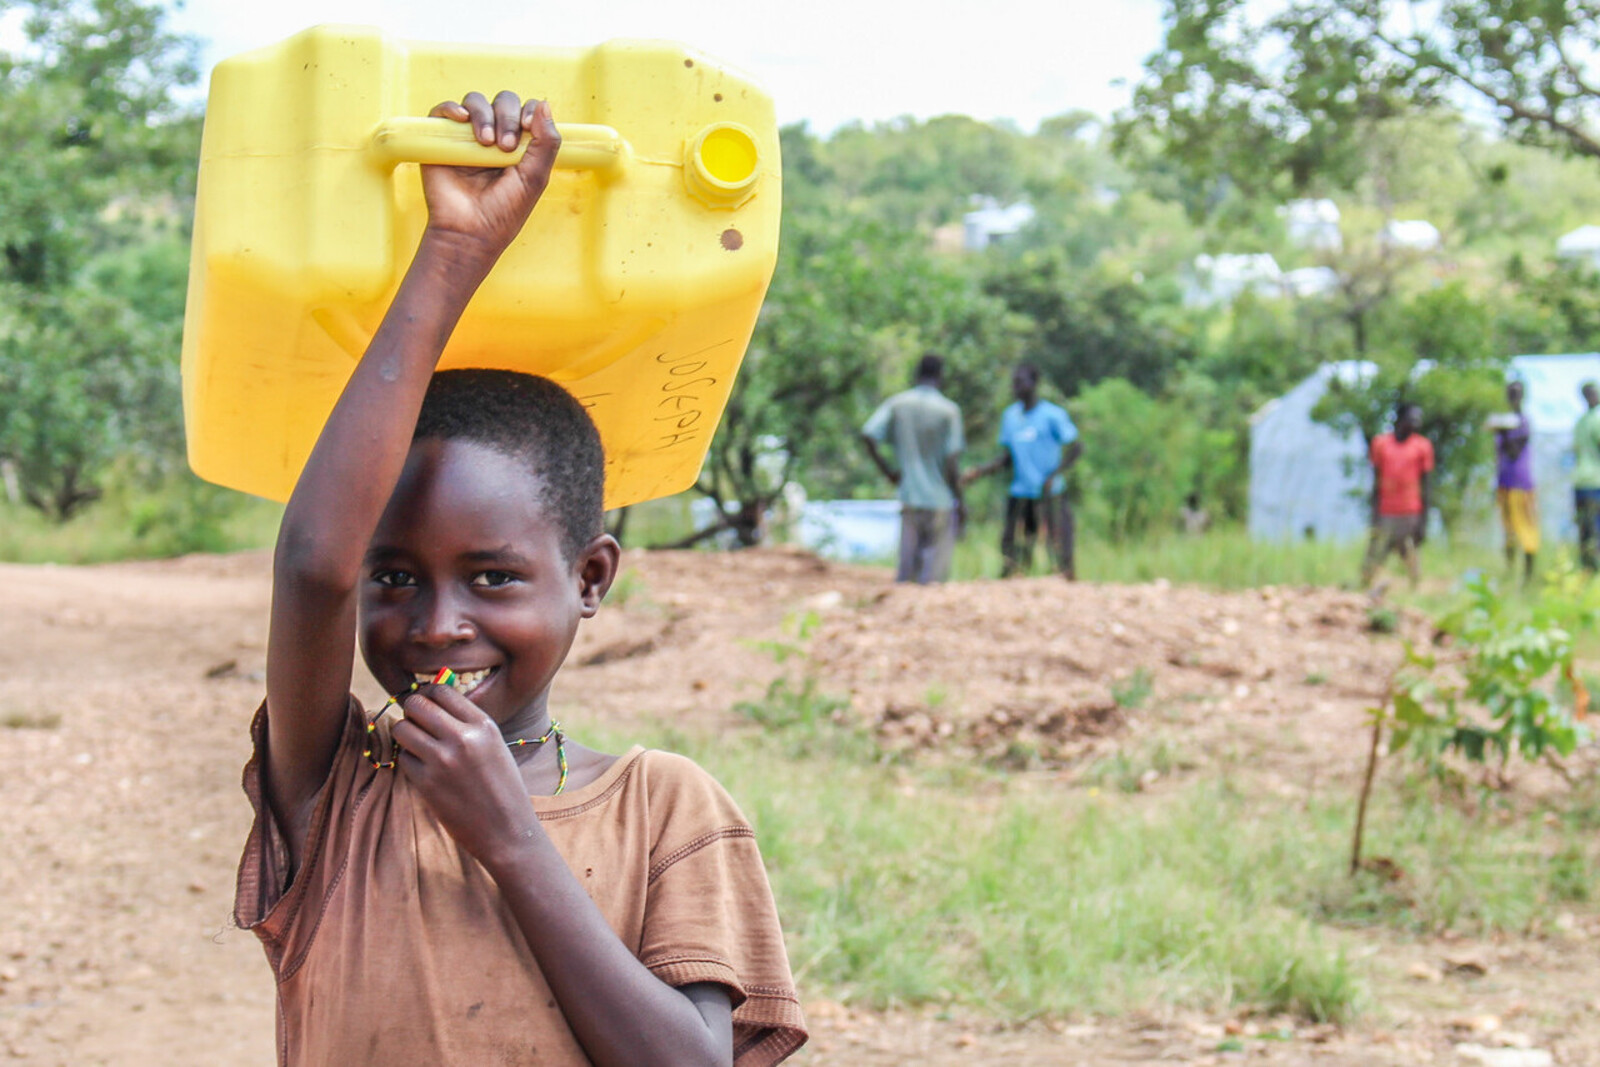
(464, 682)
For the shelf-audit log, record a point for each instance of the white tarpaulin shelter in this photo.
(1307, 479)
(1582, 243)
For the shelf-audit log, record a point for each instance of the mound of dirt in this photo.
(1022, 672)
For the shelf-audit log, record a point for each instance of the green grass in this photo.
(1468, 864)
(1132, 691)
(185, 515)
(1224, 558)
(629, 587)
(1021, 896)
(1130, 770)
(182, 516)
(655, 522)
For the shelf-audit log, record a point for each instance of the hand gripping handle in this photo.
(451, 143)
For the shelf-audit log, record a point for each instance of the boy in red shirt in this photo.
(1401, 463)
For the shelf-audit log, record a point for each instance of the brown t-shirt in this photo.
(393, 946)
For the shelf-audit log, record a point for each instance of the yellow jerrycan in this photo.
(635, 284)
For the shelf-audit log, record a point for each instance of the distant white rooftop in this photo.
(1313, 224)
(1222, 278)
(992, 222)
(1418, 234)
(1311, 281)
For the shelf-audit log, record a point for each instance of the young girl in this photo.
(450, 880)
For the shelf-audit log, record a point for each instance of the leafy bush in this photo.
(1142, 457)
(1508, 685)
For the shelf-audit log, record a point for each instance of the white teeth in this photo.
(465, 681)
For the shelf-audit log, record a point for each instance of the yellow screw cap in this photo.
(722, 164)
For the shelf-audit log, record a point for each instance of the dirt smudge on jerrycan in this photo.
(635, 284)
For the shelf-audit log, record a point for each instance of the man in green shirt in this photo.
(923, 426)
(1586, 477)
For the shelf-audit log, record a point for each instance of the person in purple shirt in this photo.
(1519, 512)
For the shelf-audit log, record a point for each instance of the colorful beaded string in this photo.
(561, 750)
(446, 676)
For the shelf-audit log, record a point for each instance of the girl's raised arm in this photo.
(473, 215)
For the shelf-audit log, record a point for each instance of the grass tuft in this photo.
(23, 720)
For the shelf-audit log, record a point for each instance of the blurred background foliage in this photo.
(97, 184)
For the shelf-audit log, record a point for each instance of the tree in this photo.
(1286, 104)
(1143, 456)
(77, 378)
(99, 164)
(1086, 327)
(1559, 310)
(1443, 356)
(852, 307)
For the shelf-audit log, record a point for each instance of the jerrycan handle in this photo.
(444, 141)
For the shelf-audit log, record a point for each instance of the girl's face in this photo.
(466, 571)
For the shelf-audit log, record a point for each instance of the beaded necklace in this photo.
(446, 676)
(561, 750)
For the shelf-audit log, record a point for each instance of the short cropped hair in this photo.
(533, 420)
(931, 365)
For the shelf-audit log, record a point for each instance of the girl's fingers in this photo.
(426, 714)
(413, 739)
(481, 115)
(507, 119)
(544, 123)
(501, 122)
(454, 704)
(544, 142)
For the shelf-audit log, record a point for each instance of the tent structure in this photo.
(1306, 480)
(1581, 244)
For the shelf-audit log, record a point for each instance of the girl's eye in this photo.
(491, 579)
(394, 579)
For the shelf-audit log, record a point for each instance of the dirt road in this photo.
(129, 687)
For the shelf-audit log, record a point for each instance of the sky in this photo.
(825, 62)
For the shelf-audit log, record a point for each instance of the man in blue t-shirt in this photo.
(1040, 444)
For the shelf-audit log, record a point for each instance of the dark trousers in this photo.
(1586, 502)
(1025, 517)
